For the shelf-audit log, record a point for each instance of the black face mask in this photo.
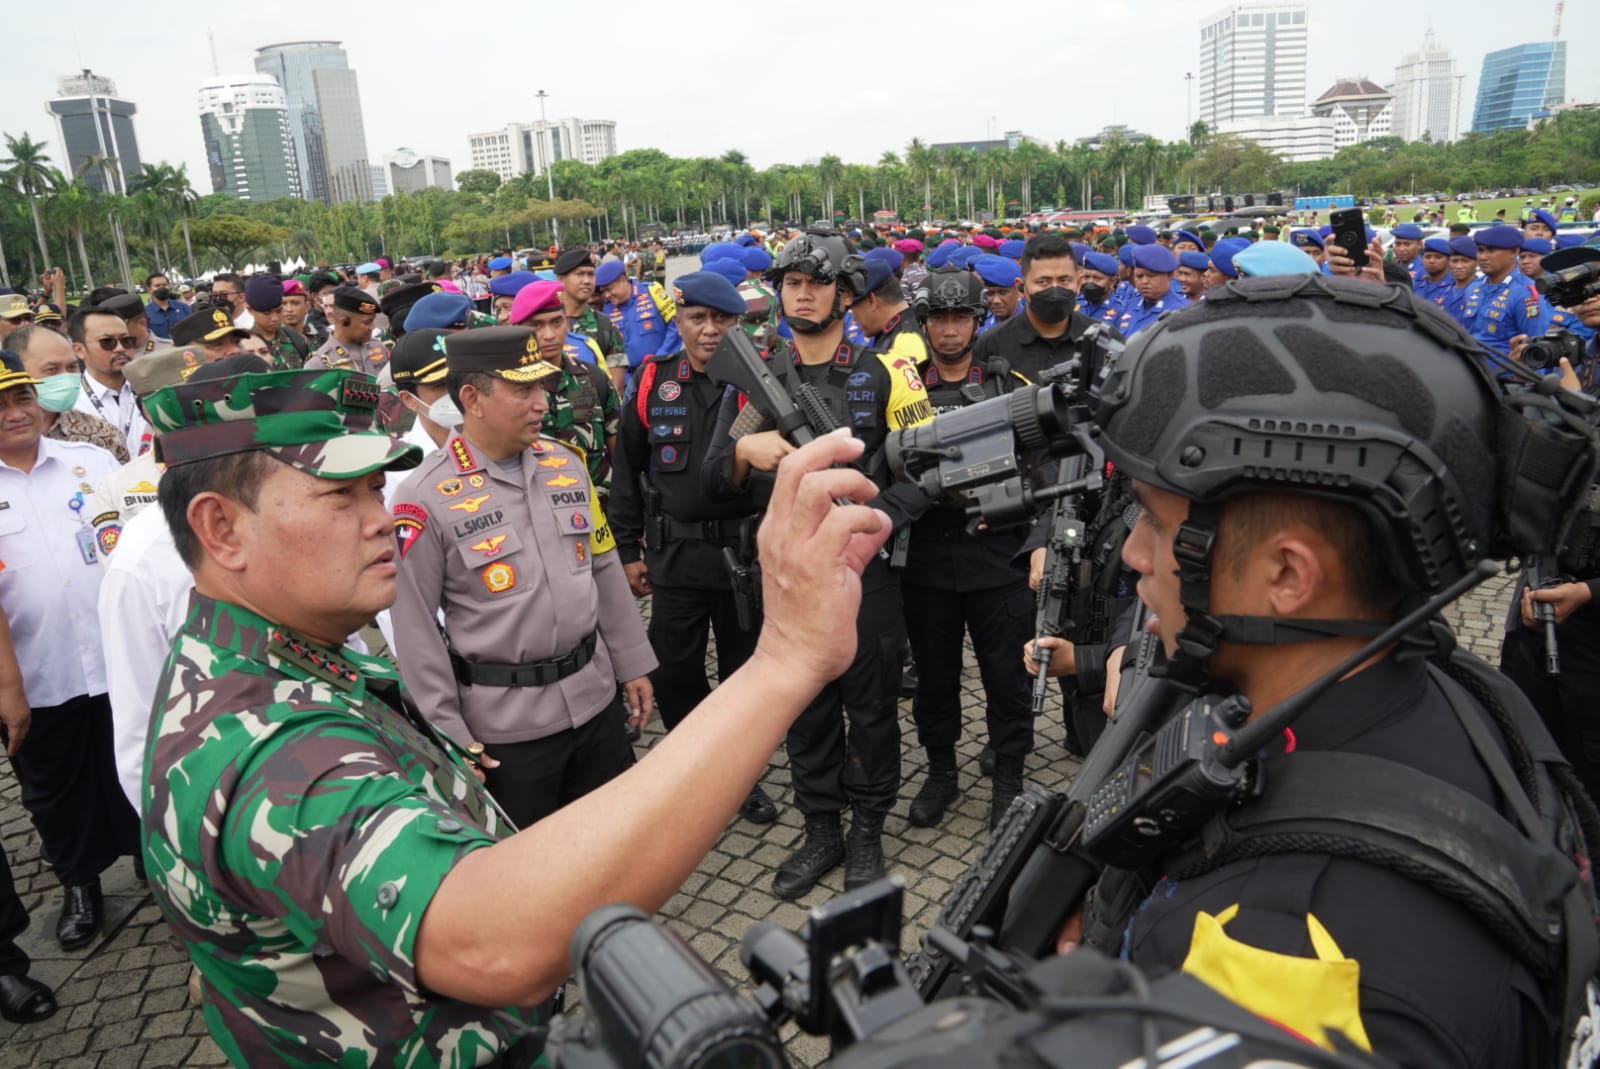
(1052, 305)
(1092, 292)
(161, 294)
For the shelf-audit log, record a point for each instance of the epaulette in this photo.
(313, 660)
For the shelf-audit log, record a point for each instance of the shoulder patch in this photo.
(104, 517)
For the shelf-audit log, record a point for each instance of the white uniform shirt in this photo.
(144, 600)
(116, 407)
(49, 573)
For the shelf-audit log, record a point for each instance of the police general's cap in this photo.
(1538, 246)
(534, 299)
(1408, 232)
(509, 285)
(1011, 248)
(729, 268)
(354, 299)
(1142, 235)
(1305, 239)
(759, 260)
(708, 289)
(1441, 246)
(572, 259)
(12, 372)
(164, 367)
(439, 311)
(1498, 237)
(322, 422)
(608, 272)
(1101, 262)
(500, 263)
(1157, 258)
(1273, 258)
(510, 353)
(887, 255)
(207, 323)
(1196, 261)
(418, 358)
(997, 270)
(1464, 246)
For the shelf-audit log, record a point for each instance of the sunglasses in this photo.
(26, 317)
(111, 345)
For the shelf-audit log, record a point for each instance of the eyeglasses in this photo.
(112, 344)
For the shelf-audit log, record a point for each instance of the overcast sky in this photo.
(695, 78)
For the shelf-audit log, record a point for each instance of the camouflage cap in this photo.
(510, 353)
(164, 367)
(322, 422)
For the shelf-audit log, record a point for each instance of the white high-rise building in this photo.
(522, 147)
(407, 171)
(249, 149)
(1360, 110)
(1253, 62)
(1427, 93)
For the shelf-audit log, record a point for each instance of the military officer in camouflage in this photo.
(332, 863)
(584, 408)
(502, 531)
(350, 343)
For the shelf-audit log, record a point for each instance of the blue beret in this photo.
(1436, 245)
(1198, 261)
(744, 241)
(1099, 261)
(1224, 251)
(500, 263)
(1188, 235)
(1408, 232)
(1157, 258)
(372, 269)
(1545, 217)
(964, 255)
(1142, 235)
(941, 255)
(756, 259)
(1305, 238)
(1011, 249)
(886, 254)
(878, 272)
(1324, 230)
(1566, 241)
(510, 285)
(1498, 237)
(732, 270)
(997, 270)
(718, 251)
(545, 275)
(1273, 258)
(1079, 250)
(608, 272)
(1125, 254)
(708, 289)
(1540, 246)
(1464, 246)
(438, 311)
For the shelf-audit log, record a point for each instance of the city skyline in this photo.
(402, 70)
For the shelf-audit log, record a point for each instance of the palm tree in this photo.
(28, 168)
(830, 169)
(171, 185)
(74, 204)
(921, 161)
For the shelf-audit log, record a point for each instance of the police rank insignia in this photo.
(449, 487)
(582, 549)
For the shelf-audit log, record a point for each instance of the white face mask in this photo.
(444, 413)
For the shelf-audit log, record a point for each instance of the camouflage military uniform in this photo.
(762, 309)
(585, 412)
(604, 333)
(297, 825)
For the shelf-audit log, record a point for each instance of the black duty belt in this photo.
(532, 674)
(704, 531)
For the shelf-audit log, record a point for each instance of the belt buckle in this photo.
(711, 530)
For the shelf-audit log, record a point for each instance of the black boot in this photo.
(1007, 785)
(757, 808)
(820, 852)
(908, 673)
(986, 761)
(863, 850)
(940, 788)
(81, 912)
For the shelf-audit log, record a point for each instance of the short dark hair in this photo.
(78, 322)
(1250, 518)
(478, 380)
(227, 276)
(153, 274)
(1048, 245)
(438, 269)
(237, 476)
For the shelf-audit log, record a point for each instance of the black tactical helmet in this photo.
(1311, 384)
(949, 289)
(823, 255)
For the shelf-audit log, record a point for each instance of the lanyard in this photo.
(100, 409)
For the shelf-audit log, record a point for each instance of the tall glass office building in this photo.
(1519, 84)
(325, 121)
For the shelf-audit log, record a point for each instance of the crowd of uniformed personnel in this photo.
(564, 451)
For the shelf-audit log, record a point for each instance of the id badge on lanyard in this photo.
(85, 533)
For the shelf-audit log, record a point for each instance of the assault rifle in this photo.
(1063, 566)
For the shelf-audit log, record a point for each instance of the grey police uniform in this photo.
(370, 358)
